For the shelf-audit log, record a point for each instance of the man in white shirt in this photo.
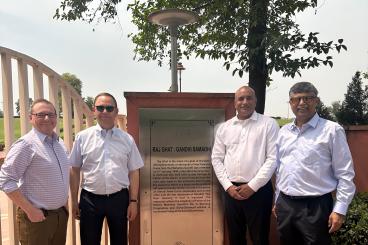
(244, 159)
(313, 160)
(109, 162)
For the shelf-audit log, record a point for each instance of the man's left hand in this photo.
(245, 191)
(132, 210)
(335, 221)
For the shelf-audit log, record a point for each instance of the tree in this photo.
(17, 107)
(354, 108)
(89, 101)
(255, 36)
(74, 81)
(335, 108)
(324, 111)
(1, 113)
(76, 84)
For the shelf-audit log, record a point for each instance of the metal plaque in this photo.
(180, 195)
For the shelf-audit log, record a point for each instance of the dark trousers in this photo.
(51, 231)
(304, 220)
(94, 208)
(253, 213)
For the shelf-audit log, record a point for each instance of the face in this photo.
(303, 106)
(43, 118)
(245, 102)
(105, 117)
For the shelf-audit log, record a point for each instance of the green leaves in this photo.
(354, 230)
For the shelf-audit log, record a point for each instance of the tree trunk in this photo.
(257, 50)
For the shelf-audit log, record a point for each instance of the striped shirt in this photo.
(38, 166)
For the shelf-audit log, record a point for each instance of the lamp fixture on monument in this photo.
(173, 18)
(180, 68)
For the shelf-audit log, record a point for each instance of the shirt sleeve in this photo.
(342, 165)
(16, 162)
(218, 157)
(265, 173)
(135, 160)
(75, 157)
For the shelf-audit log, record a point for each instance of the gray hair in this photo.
(303, 87)
(41, 100)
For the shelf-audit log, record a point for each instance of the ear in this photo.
(318, 100)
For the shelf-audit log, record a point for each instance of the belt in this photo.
(104, 195)
(303, 197)
(48, 212)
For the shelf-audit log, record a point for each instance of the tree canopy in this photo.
(354, 108)
(254, 36)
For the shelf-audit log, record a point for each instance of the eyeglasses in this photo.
(306, 99)
(43, 115)
(101, 108)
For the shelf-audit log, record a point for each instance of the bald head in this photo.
(245, 102)
(246, 88)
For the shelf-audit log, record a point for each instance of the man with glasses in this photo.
(109, 162)
(313, 160)
(35, 176)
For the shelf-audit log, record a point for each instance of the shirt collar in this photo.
(253, 117)
(103, 132)
(311, 123)
(43, 137)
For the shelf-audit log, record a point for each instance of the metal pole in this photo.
(180, 80)
(174, 69)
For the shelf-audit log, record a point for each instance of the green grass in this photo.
(17, 129)
(283, 121)
(16, 126)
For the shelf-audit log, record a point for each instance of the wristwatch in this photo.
(134, 200)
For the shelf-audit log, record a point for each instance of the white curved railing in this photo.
(55, 83)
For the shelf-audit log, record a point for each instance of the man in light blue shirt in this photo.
(313, 160)
(108, 161)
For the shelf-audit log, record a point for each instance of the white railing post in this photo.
(37, 82)
(23, 97)
(68, 140)
(53, 98)
(6, 72)
(78, 116)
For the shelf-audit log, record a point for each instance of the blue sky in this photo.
(103, 59)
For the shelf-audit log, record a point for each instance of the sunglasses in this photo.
(43, 115)
(101, 108)
(306, 99)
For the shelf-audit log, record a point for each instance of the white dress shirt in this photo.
(105, 157)
(244, 151)
(314, 160)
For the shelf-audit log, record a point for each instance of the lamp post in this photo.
(180, 68)
(173, 18)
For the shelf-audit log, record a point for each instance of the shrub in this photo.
(355, 229)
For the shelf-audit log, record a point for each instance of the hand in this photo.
(274, 211)
(132, 210)
(335, 221)
(245, 191)
(35, 215)
(233, 192)
(75, 210)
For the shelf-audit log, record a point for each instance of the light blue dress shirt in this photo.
(105, 158)
(314, 160)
